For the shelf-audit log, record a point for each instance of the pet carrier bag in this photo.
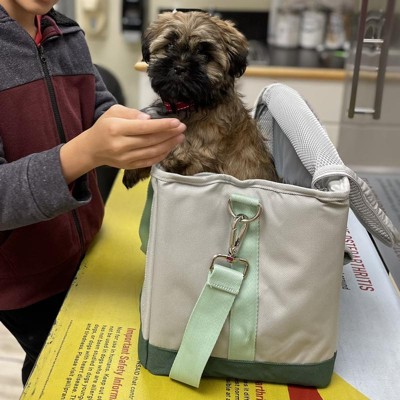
(243, 278)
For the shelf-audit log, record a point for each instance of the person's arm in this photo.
(121, 138)
(34, 188)
(104, 98)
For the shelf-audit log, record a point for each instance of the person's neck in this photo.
(23, 17)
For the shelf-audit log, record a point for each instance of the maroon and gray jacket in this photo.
(48, 94)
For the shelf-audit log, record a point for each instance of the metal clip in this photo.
(245, 218)
(237, 234)
(228, 259)
(239, 228)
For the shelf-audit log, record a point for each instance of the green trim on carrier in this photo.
(159, 362)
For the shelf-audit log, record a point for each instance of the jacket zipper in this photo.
(60, 128)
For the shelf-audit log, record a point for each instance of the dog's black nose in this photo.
(179, 69)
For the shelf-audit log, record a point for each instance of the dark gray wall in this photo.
(67, 7)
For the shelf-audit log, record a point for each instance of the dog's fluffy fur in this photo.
(194, 58)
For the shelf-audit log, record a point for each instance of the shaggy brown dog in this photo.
(193, 60)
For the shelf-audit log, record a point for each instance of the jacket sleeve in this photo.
(104, 99)
(33, 189)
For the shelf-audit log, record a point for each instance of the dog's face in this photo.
(193, 57)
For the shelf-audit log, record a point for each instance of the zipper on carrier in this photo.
(60, 128)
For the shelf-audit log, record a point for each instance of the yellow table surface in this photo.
(91, 352)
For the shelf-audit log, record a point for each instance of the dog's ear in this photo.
(238, 63)
(152, 32)
(236, 46)
(157, 31)
(146, 40)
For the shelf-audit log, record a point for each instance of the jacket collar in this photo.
(4, 17)
(53, 18)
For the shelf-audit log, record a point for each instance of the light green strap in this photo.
(205, 324)
(244, 313)
(144, 227)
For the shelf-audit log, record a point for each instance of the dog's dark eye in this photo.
(171, 40)
(170, 46)
(205, 49)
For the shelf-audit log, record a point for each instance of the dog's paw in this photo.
(133, 176)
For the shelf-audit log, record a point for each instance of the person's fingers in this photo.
(120, 111)
(150, 140)
(147, 162)
(146, 156)
(119, 142)
(168, 126)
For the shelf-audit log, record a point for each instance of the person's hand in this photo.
(124, 138)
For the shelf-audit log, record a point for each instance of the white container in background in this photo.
(287, 29)
(312, 33)
(335, 34)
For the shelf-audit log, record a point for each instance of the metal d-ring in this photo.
(245, 218)
(230, 260)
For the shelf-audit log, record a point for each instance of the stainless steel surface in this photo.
(380, 27)
(363, 140)
(384, 58)
(357, 60)
(369, 138)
